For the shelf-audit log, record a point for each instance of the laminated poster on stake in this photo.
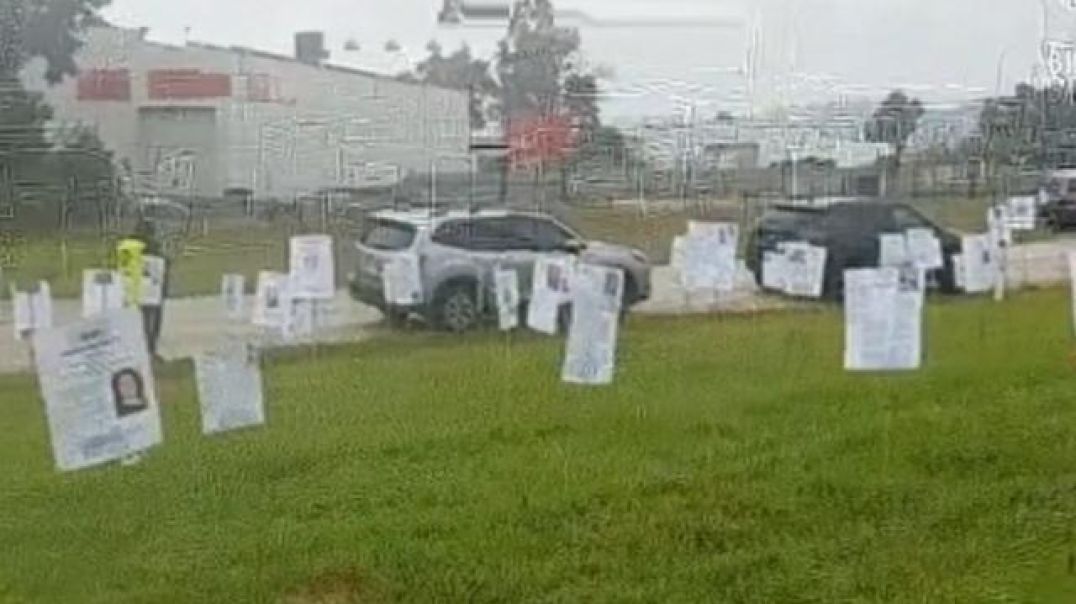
(590, 356)
(102, 291)
(773, 270)
(676, 254)
(232, 294)
(311, 267)
(506, 288)
(893, 249)
(99, 390)
(804, 269)
(31, 310)
(153, 275)
(272, 301)
(980, 263)
(402, 280)
(883, 318)
(998, 227)
(958, 272)
(550, 289)
(1020, 213)
(708, 256)
(924, 248)
(300, 319)
(230, 390)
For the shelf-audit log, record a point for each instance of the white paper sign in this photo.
(883, 318)
(805, 269)
(893, 249)
(774, 272)
(708, 256)
(300, 320)
(153, 269)
(506, 287)
(311, 267)
(272, 301)
(232, 294)
(979, 263)
(998, 229)
(98, 387)
(102, 291)
(676, 256)
(549, 290)
(924, 249)
(230, 389)
(958, 271)
(1021, 213)
(32, 310)
(402, 280)
(597, 292)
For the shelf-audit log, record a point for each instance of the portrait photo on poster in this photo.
(129, 392)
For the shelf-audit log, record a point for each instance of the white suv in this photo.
(458, 251)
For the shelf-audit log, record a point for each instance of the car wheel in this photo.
(457, 309)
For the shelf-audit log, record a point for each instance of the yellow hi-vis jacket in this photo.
(129, 263)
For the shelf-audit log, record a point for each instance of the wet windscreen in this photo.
(537, 300)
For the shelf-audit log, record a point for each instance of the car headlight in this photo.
(640, 257)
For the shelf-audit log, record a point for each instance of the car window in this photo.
(1072, 185)
(787, 221)
(388, 235)
(857, 220)
(475, 235)
(905, 218)
(537, 234)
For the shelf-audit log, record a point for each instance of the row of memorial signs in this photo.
(100, 398)
(96, 376)
(97, 379)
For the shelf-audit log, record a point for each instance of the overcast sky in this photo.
(812, 50)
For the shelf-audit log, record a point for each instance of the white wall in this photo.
(361, 117)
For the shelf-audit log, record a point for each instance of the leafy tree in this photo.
(542, 74)
(29, 29)
(462, 71)
(539, 65)
(893, 122)
(48, 29)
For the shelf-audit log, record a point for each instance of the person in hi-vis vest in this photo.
(134, 254)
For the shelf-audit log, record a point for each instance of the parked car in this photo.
(457, 252)
(849, 230)
(1059, 210)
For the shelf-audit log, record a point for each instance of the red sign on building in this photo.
(540, 140)
(188, 84)
(104, 85)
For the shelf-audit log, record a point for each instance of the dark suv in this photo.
(849, 231)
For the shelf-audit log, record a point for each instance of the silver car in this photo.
(457, 253)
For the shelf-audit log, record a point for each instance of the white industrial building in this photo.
(202, 120)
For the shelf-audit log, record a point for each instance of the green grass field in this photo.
(196, 271)
(733, 461)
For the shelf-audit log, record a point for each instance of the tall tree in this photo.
(462, 71)
(49, 29)
(893, 122)
(539, 65)
(29, 29)
(1011, 128)
(543, 78)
